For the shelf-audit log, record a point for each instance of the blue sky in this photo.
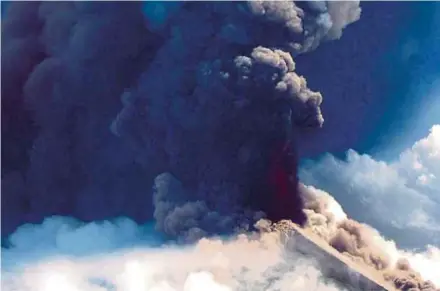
(411, 68)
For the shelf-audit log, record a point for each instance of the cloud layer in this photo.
(244, 262)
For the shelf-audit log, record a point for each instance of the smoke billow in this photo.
(99, 100)
(221, 103)
(236, 129)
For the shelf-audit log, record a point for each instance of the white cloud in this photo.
(401, 198)
(40, 260)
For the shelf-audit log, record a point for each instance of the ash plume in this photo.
(236, 130)
(99, 100)
(224, 120)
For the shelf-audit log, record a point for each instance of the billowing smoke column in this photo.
(219, 148)
(211, 100)
(220, 104)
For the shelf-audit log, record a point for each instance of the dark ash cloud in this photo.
(99, 101)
